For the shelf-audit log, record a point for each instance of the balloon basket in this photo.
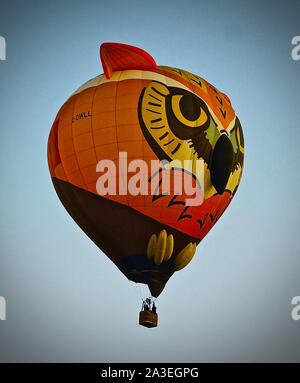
(148, 319)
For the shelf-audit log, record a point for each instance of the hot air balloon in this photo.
(137, 111)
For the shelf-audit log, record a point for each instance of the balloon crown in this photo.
(116, 56)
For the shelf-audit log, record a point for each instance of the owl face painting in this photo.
(179, 125)
(151, 113)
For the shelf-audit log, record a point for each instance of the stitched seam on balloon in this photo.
(95, 129)
(92, 132)
(117, 85)
(74, 147)
(117, 141)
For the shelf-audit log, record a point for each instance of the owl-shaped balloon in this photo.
(138, 111)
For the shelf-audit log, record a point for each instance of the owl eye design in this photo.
(187, 114)
(187, 111)
(173, 121)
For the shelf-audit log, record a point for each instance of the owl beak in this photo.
(221, 163)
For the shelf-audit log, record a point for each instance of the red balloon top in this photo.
(115, 56)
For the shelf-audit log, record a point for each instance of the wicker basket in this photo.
(148, 318)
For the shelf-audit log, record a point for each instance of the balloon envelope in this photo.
(107, 137)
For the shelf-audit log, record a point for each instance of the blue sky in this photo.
(66, 301)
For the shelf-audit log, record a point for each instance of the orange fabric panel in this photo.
(59, 172)
(104, 136)
(76, 179)
(103, 120)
